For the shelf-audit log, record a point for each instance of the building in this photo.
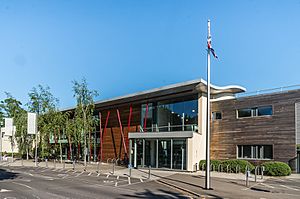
(165, 127)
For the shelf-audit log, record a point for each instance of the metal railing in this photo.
(170, 128)
(268, 91)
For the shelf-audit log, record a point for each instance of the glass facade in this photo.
(159, 153)
(170, 116)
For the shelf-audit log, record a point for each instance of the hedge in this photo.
(276, 168)
(215, 164)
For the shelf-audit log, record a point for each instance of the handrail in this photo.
(156, 128)
(267, 91)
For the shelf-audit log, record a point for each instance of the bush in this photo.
(235, 164)
(276, 169)
(215, 164)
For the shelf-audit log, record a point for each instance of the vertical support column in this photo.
(135, 155)
(156, 153)
(130, 150)
(143, 162)
(171, 153)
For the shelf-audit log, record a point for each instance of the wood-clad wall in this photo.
(277, 130)
(112, 139)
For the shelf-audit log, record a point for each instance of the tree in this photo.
(85, 107)
(13, 109)
(42, 102)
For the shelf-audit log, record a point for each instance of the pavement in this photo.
(56, 180)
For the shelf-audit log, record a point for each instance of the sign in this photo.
(8, 126)
(31, 123)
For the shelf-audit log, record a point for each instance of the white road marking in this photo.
(118, 177)
(24, 185)
(107, 176)
(79, 174)
(4, 190)
(98, 175)
(116, 184)
(266, 185)
(90, 174)
(141, 180)
(290, 188)
(129, 182)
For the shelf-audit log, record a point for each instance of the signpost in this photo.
(32, 130)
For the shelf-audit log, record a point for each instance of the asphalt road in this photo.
(31, 182)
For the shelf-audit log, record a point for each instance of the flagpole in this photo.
(207, 170)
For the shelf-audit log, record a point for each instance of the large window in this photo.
(255, 151)
(254, 112)
(170, 116)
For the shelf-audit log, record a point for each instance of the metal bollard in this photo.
(98, 167)
(64, 164)
(236, 169)
(247, 178)
(196, 166)
(129, 167)
(22, 162)
(73, 164)
(46, 160)
(227, 168)
(113, 170)
(255, 173)
(149, 173)
(262, 172)
(54, 164)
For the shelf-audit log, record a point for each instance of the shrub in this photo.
(215, 164)
(276, 169)
(235, 164)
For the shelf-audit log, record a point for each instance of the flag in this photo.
(210, 48)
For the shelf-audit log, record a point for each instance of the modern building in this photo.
(165, 127)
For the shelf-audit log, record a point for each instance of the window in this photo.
(254, 112)
(255, 151)
(216, 116)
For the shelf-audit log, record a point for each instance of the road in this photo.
(31, 182)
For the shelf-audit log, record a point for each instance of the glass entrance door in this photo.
(164, 154)
(150, 153)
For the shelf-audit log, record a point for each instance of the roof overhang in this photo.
(165, 92)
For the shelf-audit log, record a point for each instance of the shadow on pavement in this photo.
(6, 175)
(149, 194)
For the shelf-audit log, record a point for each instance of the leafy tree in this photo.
(84, 109)
(42, 102)
(13, 109)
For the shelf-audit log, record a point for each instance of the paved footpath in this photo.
(110, 181)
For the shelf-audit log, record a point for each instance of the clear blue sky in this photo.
(125, 46)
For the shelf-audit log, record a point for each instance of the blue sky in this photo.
(125, 46)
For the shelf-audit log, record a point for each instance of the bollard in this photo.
(255, 173)
(64, 164)
(227, 168)
(46, 160)
(113, 170)
(262, 172)
(22, 162)
(149, 173)
(54, 164)
(129, 167)
(236, 169)
(247, 178)
(196, 166)
(203, 167)
(98, 167)
(85, 167)
(73, 164)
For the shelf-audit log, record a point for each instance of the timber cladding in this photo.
(112, 139)
(277, 130)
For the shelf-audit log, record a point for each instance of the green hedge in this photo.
(234, 165)
(214, 163)
(276, 169)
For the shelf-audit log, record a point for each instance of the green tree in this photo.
(12, 108)
(42, 102)
(85, 108)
